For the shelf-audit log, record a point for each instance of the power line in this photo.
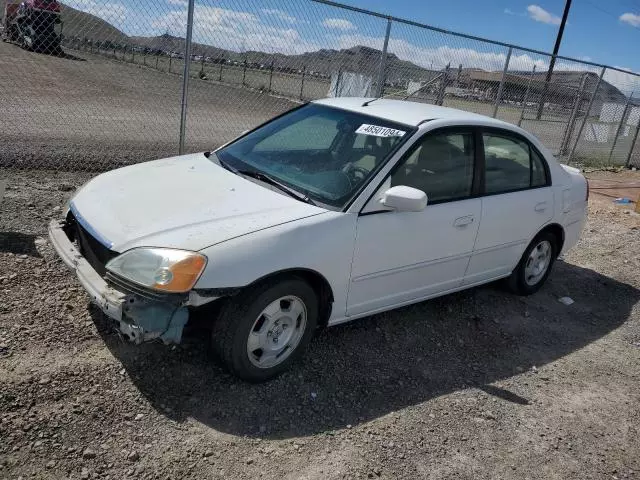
(597, 7)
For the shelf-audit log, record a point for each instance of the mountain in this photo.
(355, 59)
(76, 23)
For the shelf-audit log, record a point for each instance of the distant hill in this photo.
(325, 61)
(83, 24)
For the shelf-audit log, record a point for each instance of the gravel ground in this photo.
(475, 385)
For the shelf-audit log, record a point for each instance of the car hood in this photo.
(183, 202)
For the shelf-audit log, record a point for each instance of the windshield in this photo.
(325, 153)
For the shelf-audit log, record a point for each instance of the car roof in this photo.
(403, 111)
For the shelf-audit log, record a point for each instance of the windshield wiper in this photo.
(263, 177)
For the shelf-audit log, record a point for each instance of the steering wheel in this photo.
(355, 173)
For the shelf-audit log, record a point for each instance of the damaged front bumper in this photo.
(140, 315)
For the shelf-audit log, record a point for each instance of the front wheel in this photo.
(535, 265)
(264, 329)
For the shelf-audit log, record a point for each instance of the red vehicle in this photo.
(34, 24)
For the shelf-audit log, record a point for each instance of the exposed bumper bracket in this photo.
(138, 319)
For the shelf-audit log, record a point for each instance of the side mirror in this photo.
(404, 199)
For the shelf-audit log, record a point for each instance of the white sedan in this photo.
(336, 210)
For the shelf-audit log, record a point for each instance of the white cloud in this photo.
(508, 11)
(284, 16)
(338, 24)
(234, 30)
(630, 18)
(539, 14)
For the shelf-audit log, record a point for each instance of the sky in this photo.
(601, 31)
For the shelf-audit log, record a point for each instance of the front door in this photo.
(403, 257)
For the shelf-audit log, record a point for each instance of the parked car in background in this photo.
(336, 210)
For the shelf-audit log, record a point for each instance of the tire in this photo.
(529, 276)
(257, 318)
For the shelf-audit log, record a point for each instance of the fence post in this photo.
(304, 71)
(157, 60)
(501, 87)
(170, 60)
(617, 135)
(526, 95)
(566, 138)
(220, 74)
(337, 92)
(443, 85)
(633, 143)
(586, 115)
(133, 55)
(202, 66)
(185, 76)
(244, 70)
(270, 76)
(383, 61)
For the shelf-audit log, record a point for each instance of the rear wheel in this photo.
(264, 329)
(535, 265)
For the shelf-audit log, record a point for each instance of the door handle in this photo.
(541, 207)
(463, 221)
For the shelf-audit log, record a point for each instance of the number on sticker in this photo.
(377, 131)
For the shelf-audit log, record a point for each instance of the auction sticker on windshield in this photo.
(377, 131)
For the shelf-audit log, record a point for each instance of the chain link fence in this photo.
(93, 85)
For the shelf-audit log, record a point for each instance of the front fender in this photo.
(323, 243)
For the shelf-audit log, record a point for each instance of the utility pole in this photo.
(552, 63)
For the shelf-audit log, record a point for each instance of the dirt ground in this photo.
(475, 385)
(113, 113)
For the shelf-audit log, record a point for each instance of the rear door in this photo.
(517, 202)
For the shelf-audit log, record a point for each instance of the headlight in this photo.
(165, 269)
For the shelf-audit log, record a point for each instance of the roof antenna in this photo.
(366, 104)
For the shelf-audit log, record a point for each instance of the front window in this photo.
(441, 165)
(323, 152)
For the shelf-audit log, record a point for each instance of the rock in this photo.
(84, 474)
(249, 461)
(65, 187)
(50, 464)
(208, 453)
(139, 416)
(133, 456)
(44, 381)
(88, 453)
